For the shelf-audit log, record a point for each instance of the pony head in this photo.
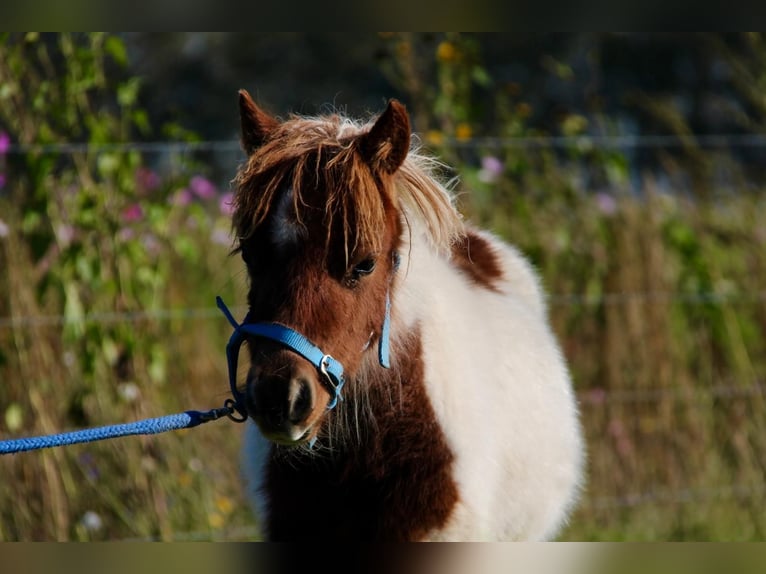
(319, 229)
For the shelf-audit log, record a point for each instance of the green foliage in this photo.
(92, 231)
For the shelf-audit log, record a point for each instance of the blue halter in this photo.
(330, 369)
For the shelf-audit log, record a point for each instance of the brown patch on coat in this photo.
(394, 483)
(475, 257)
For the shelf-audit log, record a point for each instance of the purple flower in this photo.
(5, 143)
(226, 204)
(606, 203)
(132, 213)
(146, 179)
(181, 197)
(202, 187)
(125, 234)
(220, 237)
(491, 169)
(65, 234)
(88, 464)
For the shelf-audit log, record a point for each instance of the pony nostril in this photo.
(301, 400)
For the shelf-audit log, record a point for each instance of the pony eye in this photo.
(364, 267)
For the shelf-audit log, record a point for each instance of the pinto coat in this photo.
(473, 432)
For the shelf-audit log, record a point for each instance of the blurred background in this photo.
(628, 167)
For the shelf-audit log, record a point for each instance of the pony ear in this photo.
(387, 143)
(256, 125)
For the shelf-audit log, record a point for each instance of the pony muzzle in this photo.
(282, 398)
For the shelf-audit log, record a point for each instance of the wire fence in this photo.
(181, 313)
(606, 141)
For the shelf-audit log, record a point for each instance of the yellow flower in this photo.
(574, 124)
(215, 520)
(184, 479)
(463, 131)
(434, 137)
(446, 52)
(224, 504)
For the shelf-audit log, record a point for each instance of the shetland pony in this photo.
(456, 419)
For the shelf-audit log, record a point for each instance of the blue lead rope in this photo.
(158, 425)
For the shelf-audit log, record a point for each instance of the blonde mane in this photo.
(320, 153)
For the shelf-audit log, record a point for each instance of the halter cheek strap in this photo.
(385, 332)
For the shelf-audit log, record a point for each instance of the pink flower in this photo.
(606, 203)
(202, 187)
(220, 237)
(226, 204)
(595, 396)
(5, 143)
(181, 197)
(146, 179)
(491, 169)
(65, 234)
(132, 213)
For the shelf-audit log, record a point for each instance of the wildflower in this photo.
(215, 520)
(132, 213)
(91, 521)
(185, 480)
(129, 392)
(606, 203)
(224, 504)
(146, 179)
(88, 465)
(435, 137)
(403, 49)
(64, 234)
(463, 131)
(14, 417)
(5, 143)
(181, 197)
(4, 229)
(150, 243)
(574, 124)
(220, 237)
(491, 169)
(596, 396)
(446, 52)
(202, 187)
(226, 204)
(125, 234)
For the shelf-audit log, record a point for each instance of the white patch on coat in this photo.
(501, 392)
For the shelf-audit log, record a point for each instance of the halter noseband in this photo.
(330, 369)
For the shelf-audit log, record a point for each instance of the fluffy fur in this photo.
(473, 434)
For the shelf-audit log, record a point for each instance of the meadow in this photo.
(111, 256)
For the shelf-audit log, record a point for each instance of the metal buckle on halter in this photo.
(323, 364)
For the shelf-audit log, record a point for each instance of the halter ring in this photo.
(323, 364)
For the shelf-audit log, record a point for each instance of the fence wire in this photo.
(168, 314)
(606, 141)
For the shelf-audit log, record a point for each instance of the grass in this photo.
(659, 304)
